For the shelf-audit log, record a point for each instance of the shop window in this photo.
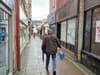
(96, 32)
(3, 39)
(87, 30)
(71, 31)
(63, 31)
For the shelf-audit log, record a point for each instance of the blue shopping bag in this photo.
(62, 56)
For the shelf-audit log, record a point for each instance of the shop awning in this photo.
(5, 8)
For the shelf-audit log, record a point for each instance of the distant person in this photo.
(33, 34)
(49, 47)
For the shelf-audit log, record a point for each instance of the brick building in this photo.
(78, 29)
(90, 24)
(67, 21)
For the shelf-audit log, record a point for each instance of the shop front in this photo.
(91, 37)
(67, 23)
(6, 61)
(23, 30)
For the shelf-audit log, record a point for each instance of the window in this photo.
(87, 30)
(96, 32)
(71, 31)
(3, 39)
(92, 31)
(63, 31)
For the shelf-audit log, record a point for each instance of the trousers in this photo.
(53, 61)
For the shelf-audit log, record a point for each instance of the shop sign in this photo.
(97, 37)
(51, 19)
(10, 3)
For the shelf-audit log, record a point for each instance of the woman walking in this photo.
(49, 47)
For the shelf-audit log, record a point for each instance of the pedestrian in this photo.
(33, 34)
(49, 47)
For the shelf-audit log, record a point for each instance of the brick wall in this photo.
(91, 3)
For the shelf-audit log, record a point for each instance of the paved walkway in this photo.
(31, 62)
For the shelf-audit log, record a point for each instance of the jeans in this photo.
(53, 61)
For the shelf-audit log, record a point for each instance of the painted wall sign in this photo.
(60, 3)
(97, 37)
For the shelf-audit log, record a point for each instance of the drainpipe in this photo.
(18, 36)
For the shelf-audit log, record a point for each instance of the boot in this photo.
(54, 73)
(47, 72)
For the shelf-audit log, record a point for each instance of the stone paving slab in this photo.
(31, 62)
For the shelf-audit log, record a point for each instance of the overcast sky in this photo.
(40, 9)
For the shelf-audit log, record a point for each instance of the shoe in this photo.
(47, 72)
(54, 73)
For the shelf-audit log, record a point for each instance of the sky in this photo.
(40, 9)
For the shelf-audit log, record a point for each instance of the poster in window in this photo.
(71, 31)
(97, 37)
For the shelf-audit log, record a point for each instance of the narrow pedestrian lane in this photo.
(31, 62)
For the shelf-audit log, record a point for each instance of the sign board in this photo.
(97, 37)
(51, 19)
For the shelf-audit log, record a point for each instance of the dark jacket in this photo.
(50, 44)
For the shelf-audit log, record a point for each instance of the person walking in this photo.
(49, 47)
(33, 34)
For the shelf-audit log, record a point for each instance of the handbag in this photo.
(61, 54)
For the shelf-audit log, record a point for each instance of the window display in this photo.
(71, 31)
(3, 39)
(63, 31)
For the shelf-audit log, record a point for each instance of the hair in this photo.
(50, 31)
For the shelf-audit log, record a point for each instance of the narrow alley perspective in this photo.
(49, 37)
(32, 64)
